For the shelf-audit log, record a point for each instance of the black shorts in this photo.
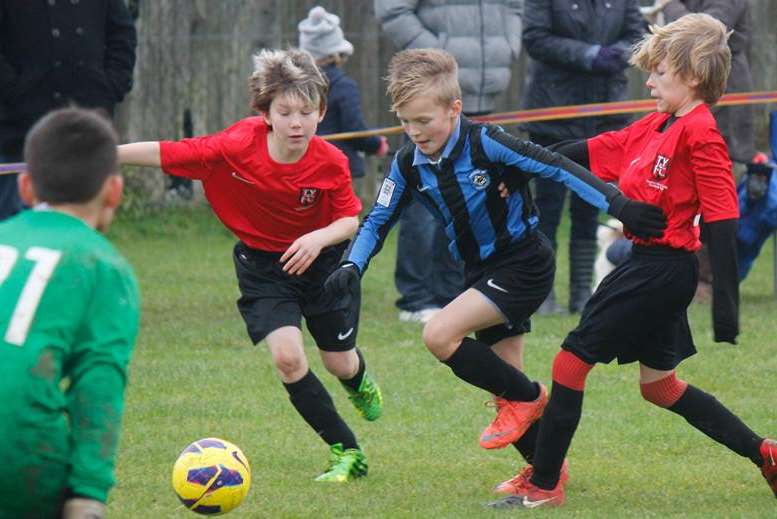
(639, 311)
(271, 298)
(516, 284)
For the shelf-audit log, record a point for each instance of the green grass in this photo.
(194, 374)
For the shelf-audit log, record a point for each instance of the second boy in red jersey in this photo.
(677, 160)
(286, 194)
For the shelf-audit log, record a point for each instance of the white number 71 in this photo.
(45, 262)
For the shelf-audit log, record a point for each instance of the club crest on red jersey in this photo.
(308, 196)
(661, 167)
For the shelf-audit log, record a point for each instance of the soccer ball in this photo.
(211, 476)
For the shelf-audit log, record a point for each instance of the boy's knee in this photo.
(438, 339)
(289, 363)
(665, 392)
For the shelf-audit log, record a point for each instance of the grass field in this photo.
(195, 374)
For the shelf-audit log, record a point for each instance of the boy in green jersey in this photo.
(69, 315)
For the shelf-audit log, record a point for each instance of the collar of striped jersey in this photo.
(450, 147)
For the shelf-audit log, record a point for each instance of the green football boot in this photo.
(344, 465)
(368, 400)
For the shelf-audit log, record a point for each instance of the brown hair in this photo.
(414, 72)
(69, 154)
(696, 46)
(292, 72)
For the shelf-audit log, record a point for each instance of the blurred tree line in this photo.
(195, 56)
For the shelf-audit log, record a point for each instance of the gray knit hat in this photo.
(320, 34)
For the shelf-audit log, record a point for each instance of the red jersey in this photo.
(266, 204)
(685, 170)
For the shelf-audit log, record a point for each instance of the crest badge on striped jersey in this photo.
(480, 179)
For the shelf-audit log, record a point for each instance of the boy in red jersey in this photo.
(286, 194)
(675, 159)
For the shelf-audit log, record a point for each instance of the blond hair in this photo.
(696, 46)
(415, 72)
(290, 72)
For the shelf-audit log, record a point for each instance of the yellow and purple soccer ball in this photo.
(211, 476)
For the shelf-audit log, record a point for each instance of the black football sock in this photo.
(527, 443)
(312, 401)
(704, 412)
(356, 380)
(477, 364)
(557, 427)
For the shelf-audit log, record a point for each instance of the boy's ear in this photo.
(321, 114)
(456, 108)
(113, 188)
(26, 189)
(266, 118)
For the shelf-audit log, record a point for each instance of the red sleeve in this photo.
(606, 152)
(714, 180)
(343, 200)
(197, 158)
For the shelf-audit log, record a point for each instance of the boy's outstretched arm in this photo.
(140, 154)
(641, 219)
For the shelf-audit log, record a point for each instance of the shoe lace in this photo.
(495, 403)
(366, 393)
(504, 419)
(519, 480)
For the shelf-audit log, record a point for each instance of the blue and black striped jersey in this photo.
(461, 191)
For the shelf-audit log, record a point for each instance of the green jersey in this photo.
(69, 315)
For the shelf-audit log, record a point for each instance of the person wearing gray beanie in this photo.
(320, 34)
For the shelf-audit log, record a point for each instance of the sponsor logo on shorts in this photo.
(493, 285)
(343, 336)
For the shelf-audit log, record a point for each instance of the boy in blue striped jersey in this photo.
(453, 167)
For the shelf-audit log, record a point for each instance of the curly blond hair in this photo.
(290, 72)
(696, 46)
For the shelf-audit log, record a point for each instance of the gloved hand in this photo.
(609, 60)
(640, 219)
(341, 281)
(83, 508)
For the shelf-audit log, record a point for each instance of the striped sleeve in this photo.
(393, 197)
(501, 147)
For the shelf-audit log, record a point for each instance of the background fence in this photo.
(196, 54)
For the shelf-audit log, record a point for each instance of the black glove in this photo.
(640, 219)
(342, 280)
(609, 60)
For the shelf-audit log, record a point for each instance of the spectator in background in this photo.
(484, 37)
(579, 50)
(320, 34)
(52, 54)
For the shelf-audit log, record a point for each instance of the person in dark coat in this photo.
(579, 51)
(54, 53)
(320, 35)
